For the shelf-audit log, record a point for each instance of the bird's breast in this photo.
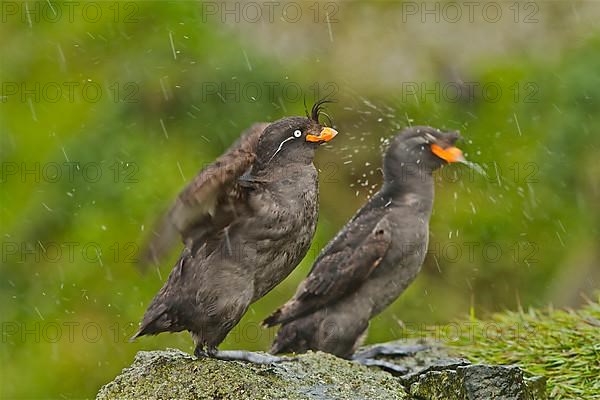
(284, 226)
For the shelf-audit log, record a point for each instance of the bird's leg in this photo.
(199, 351)
(243, 355)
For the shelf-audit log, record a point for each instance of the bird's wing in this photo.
(215, 185)
(344, 266)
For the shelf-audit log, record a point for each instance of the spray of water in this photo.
(476, 167)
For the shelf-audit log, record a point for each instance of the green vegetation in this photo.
(562, 345)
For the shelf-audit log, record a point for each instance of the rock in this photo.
(173, 374)
(476, 382)
(431, 374)
(434, 373)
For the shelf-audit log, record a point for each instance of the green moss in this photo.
(562, 345)
(174, 374)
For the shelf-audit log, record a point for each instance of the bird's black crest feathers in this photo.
(317, 109)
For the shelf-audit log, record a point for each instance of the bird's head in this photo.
(423, 149)
(293, 138)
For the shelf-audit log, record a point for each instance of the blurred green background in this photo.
(109, 108)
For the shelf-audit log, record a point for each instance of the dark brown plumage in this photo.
(374, 258)
(246, 221)
(213, 188)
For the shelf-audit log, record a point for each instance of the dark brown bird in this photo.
(247, 220)
(374, 258)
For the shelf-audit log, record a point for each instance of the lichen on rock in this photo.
(172, 374)
(476, 382)
(432, 374)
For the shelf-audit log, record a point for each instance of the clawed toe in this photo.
(239, 355)
(200, 353)
(390, 350)
(367, 357)
(249, 356)
(385, 365)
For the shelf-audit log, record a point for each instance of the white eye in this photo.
(297, 133)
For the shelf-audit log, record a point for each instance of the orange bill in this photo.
(450, 154)
(325, 135)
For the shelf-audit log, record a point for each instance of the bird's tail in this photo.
(284, 341)
(163, 237)
(153, 322)
(139, 333)
(290, 311)
(144, 330)
(272, 319)
(294, 337)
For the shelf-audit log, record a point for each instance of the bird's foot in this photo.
(248, 356)
(200, 353)
(385, 365)
(367, 357)
(389, 350)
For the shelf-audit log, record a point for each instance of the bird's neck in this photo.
(414, 188)
(282, 164)
(276, 171)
